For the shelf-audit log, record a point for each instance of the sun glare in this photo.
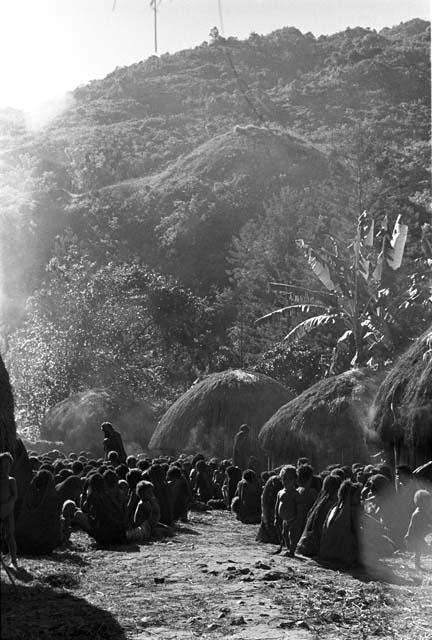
(33, 64)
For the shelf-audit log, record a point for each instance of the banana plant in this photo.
(355, 293)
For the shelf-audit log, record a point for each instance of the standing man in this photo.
(242, 448)
(113, 441)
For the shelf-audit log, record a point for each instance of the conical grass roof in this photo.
(207, 417)
(76, 421)
(9, 441)
(7, 418)
(403, 406)
(327, 423)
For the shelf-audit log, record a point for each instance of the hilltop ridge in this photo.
(141, 227)
(176, 129)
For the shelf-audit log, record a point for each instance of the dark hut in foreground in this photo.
(7, 418)
(327, 423)
(403, 406)
(21, 469)
(76, 421)
(207, 417)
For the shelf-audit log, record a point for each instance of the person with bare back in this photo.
(8, 497)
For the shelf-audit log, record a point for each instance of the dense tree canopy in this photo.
(139, 230)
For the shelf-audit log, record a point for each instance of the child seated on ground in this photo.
(420, 525)
(69, 510)
(146, 523)
(286, 508)
(144, 514)
(8, 497)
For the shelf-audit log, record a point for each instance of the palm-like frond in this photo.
(374, 334)
(305, 327)
(286, 311)
(344, 337)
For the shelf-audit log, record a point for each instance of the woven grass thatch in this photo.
(76, 421)
(207, 417)
(403, 406)
(7, 419)
(328, 423)
(21, 469)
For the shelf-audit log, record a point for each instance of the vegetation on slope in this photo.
(201, 169)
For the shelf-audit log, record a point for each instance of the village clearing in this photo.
(212, 580)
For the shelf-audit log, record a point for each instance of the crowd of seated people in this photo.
(342, 515)
(345, 515)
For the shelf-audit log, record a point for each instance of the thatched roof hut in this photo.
(7, 418)
(403, 406)
(327, 423)
(76, 421)
(207, 417)
(9, 441)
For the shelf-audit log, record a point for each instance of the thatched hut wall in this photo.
(9, 441)
(7, 418)
(403, 406)
(76, 421)
(207, 417)
(328, 423)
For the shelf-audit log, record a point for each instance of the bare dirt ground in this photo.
(211, 580)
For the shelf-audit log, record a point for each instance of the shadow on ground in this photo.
(30, 612)
(68, 557)
(378, 572)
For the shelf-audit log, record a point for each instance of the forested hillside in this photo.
(141, 227)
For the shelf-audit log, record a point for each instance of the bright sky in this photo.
(48, 47)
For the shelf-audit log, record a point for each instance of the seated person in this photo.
(267, 531)
(420, 525)
(309, 543)
(162, 493)
(181, 494)
(69, 510)
(306, 498)
(381, 505)
(70, 489)
(233, 475)
(133, 477)
(113, 459)
(340, 534)
(105, 518)
(38, 524)
(146, 524)
(247, 500)
(131, 462)
(111, 485)
(145, 516)
(123, 488)
(202, 484)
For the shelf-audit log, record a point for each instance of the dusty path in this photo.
(211, 580)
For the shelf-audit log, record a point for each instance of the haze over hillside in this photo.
(207, 165)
